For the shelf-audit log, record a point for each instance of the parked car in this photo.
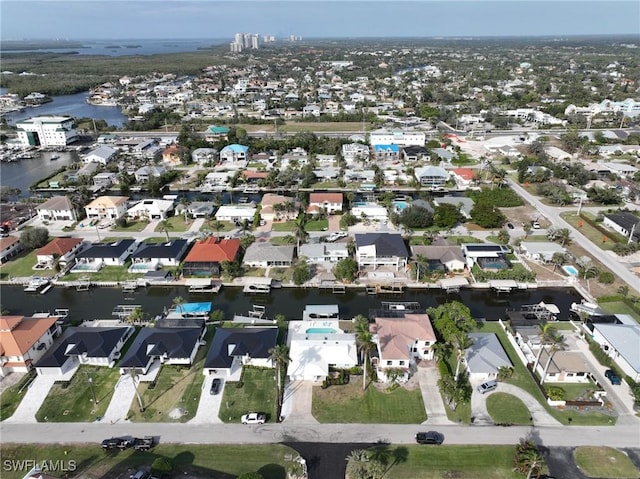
(430, 437)
(215, 386)
(143, 443)
(510, 226)
(254, 418)
(613, 377)
(117, 443)
(488, 386)
(140, 475)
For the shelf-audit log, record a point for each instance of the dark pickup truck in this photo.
(116, 443)
(143, 443)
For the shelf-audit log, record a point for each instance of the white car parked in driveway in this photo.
(254, 418)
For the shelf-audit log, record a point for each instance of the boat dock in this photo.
(534, 312)
(123, 311)
(258, 286)
(203, 285)
(332, 286)
(35, 284)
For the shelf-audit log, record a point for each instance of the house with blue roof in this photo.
(234, 153)
(387, 152)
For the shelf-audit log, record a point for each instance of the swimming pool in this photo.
(320, 331)
(400, 205)
(570, 270)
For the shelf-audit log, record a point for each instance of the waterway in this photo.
(23, 173)
(98, 303)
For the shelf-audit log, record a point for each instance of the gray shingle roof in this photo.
(230, 342)
(486, 355)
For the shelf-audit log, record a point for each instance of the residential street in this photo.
(553, 214)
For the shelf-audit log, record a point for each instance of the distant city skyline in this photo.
(146, 19)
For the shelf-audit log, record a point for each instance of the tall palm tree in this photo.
(547, 331)
(528, 458)
(558, 259)
(300, 233)
(280, 355)
(364, 340)
(557, 344)
(461, 342)
(177, 302)
(165, 226)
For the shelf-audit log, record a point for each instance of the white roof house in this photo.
(103, 154)
(151, 209)
(485, 357)
(542, 251)
(620, 341)
(372, 211)
(324, 252)
(235, 213)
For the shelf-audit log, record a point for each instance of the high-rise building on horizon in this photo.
(245, 41)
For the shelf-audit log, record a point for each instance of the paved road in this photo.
(553, 215)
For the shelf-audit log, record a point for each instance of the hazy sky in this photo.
(117, 19)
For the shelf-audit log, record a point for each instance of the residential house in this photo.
(431, 176)
(413, 153)
(355, 153)
(329, 202)
(296, 157)
(175, 342)
(10, 246)
(315, 345)
(565, 367)
(61, 251)
(263, 255)
(386, 152)
(254, 176)
(56, 208)
(236, 213)
(485, 357)
(171, 155)
(207, 255)
(196, 209)
(215, 132)
(324, 252)
(274, 207)
(445, 258)
(151, 256)
(464, 177)
(625, 223)
(233, 348)
(443, 154)
(101, 155)
(202, 156)
(146, 173)
(151, 209)
(95, 346)
(234, 153)
(107, 208)
(541, 252)
(620, 342)
(464, 204)
(216, 180)
(97, 255)
(24, 340)
(401, 338)
(370, 211)
(105, 179)
(381, 249)
(478, 252)
(87, 170)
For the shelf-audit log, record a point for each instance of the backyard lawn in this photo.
(619, 307)
(349, 404)
(604, 462)
(507, 409)
(210, 461)
(22, 266)
(106, 273)
(11, 397)
(75, 402)
(255, 392)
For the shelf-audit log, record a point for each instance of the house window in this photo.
(580, 374)
(389, 363)
(401, 363)
(415, 350)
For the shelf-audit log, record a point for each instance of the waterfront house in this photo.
(171, 155)
(447, 258)
(565, 367)
(263, 255)
(196, 209)
(369, 211)
(329, 202)
(56, 208)
(9, 247)
(97, 255)
(151, 256)
(175, 342)
(381, 249)
(464, 177)
(541, 251)
(236, 213)
(431, 176)
(202, 156)
(485, 255)
(95, 346)
(107, 208)
(485, 357)
(464, 204)
(104, 180)
(233, 348)
(620, 342)
(85, 170)
(146, 173)
(318, 253)
(234, 153)
(402, 337)
(279, 207)
(61, 251)
(24, 340)
(151, 209)
(206, 256)
(101, 155)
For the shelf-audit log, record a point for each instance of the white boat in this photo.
(35, 284)
(54, 157)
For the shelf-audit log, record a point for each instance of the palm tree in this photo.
(216, 225)
(280, 355)
(361, 465)
(528, 459)
(164, 225)
(177, 302)
(547, 331)
(301, 233)
(557, 344)
(558, 259)
(364, 340)
(461, 342)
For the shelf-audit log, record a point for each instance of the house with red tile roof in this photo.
(171, 155)
(9, 247)
(59, 250)
(24, 340)
(206, 256)
(463, 177)
(330, 202)
(402, 338)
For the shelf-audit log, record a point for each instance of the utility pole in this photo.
(633, 230)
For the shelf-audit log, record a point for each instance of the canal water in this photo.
(98, 303)
(23, 173)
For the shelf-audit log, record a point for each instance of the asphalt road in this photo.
(553, 215)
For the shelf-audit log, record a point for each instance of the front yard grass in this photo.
(191, 460)
(596, 461)
(619, 307)
(283, 226)
(75, 403)
(458, 240)
(595, 236)
(574, 391)
(350, 404)
(175, 223)
(317, 225)
(176, 388)
(256, 392)
(22, 266)
(282, 240)
(11, 397)
(507, 409)
(217, 228)
(136, 226)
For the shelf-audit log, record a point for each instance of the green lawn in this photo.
(106, 273)
(175, 223)
(506, 408)
(22, 266)
(349, 404)
(75, 403)
(523, 379)
(595, 236)
(257, 393)
(459, 462)
(317, 225)
(282, 240)
(619, 307)
(11, 397)
(283, 274)
(131, 226)
(575, 391)
(283, 226)
(604, 462)
(457, 240)
(176, 387)
(210, 461)
(225, 226)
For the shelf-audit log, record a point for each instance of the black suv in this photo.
(116, 443)
(613, 377)
(430, 437)
(215, 386)
(143, 443)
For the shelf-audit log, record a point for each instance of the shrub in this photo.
(556, 393)
(161, 465)
(606, 277)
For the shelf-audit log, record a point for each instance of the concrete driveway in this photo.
(428, 376)
(209, 405)
(35, 396)
(297, 402)
(123, 394)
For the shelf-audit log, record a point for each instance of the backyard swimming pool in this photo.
(570, 270)
(320, 331)
(400, 205)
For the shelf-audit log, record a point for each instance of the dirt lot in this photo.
(524, 214)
